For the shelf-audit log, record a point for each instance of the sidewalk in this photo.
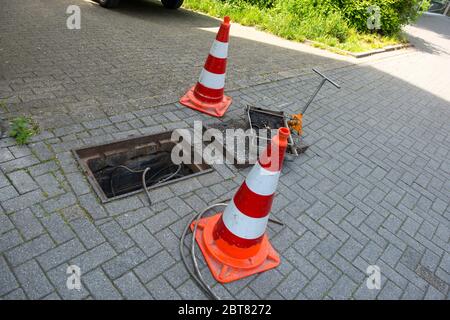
(373, 188)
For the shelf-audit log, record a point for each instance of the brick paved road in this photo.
(374, 188)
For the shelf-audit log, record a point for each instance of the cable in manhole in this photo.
(115, 170)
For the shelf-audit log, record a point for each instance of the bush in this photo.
(351, 13)
(393, 13)
(341, 24)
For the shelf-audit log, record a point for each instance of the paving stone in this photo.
(300, 263)
(177, 274)
(20, 163)
(87, 232)
(59, 276)
(26, 222)
(328, 247)
(124, 262)
(42, 151)
(23, 201)
(91, 205)
(100, 286)
(123, 205)
(3, 180)
(390, 291)
(391, 255)
(9, 240)
(266, 282)
(433, 294)
(116, 236)
(179, 206)
(60, 254)
(318, 287)
(5, 155)
(412, 293)
(57, 228)
(42, 168)
(429, 277)
(5, 223)
(161, 220)
(22, 181)
(17, 294)
(160, 289)
(29, 250)
(49, 185)
(132, 218)
(154, 266)
(33, 280)
(430, 260)
(363, 293)
(131, 288)
(190, 290)
(371, 252)
(342, 289)
(7, 280)
(78, 183)
(292, 284)
(94, 257)
(284, 239)
(52, 296)
(8, 192)
(247, 294)
(351, 249)
(145, 240)
(350, 270)
(59, 203)
(328, 269)
(306, 243)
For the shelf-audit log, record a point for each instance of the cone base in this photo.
(213, 109)
(225, 268)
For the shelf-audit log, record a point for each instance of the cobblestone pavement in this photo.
(373, 189)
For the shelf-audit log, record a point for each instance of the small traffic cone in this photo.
(207, 95)
(234, 243)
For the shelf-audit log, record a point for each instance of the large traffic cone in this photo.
(207, 95)
(234, 243)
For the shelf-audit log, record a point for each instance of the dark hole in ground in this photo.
(271, 120)
(116, 169)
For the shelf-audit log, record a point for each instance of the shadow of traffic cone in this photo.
(234, 243)
(207, 95)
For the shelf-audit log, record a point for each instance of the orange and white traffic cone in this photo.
(234, 243)
(207, 95)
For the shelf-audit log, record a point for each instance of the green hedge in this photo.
(339, 24)
(346, 13)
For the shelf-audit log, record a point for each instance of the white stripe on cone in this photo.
(262, 181)
(242, 225)
(212, 80)
(219, 49)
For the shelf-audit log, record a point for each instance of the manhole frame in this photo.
(83, 163)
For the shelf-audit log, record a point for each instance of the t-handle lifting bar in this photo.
(324, 79)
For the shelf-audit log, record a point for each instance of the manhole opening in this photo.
(115, 170)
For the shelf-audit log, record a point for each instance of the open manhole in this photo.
(115, 170)
(264, 124)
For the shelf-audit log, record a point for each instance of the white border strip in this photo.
(212, 80)
(262, 181)
(241, 225)
(219, 49)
